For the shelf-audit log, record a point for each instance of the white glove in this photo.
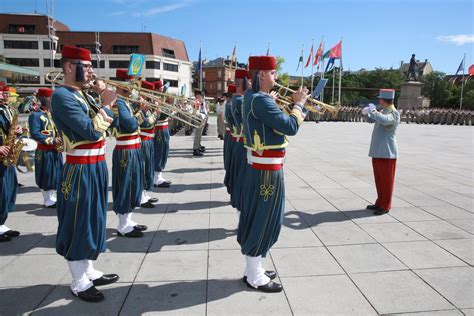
(372, 107)
(365, 110)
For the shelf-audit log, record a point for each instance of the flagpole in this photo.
(462, 80)
(200, 67)
(302, 67)
(322, 68)
(312, 67)
(340, 75)
(333, 82)
(268, 49)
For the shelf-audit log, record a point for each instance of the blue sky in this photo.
(375, 33)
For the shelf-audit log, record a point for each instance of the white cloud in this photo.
(458, 39)
(164, 8)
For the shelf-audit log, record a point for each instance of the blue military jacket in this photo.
(236, 109)
(75, 119)
(229, 119)
(384, 140)
(125, 123)
(42, 128)
(265, 125)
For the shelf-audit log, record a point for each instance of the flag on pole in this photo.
(471, 70)
(300, 61)
(309, 57)
(460, 68)
(232, 59)
(319, 54)
(336, 51)
(330, 64)
(326, 55)
(268, 49)
(199, 63)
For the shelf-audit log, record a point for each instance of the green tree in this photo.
(283, 78)
(437, 89)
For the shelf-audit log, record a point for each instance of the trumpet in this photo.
(311, 104)
(156, 100)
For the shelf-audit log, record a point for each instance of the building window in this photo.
(47, 63)
(170, 67)
(26, 62)
(46, 45)
(219, 74)
(173, 83)
(26, 79)
(21, 29)
(101, 64)
(21, 44)
(168, 53)
(152, 64)
(121, 49)
(203, 75)
(219, 85)
(118, 63)
(150, 79)
(92, 48)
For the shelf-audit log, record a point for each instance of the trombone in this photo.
(311, 104)
(57, 76)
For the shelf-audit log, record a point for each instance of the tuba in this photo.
(312, 105)
(15, 144)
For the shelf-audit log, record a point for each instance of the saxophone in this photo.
(16, 145)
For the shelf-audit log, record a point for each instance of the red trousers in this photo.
(384, 174)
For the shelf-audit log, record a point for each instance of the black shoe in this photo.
(141, 228)
(270, 287)
(135, 233)
(372, 207)
(204, 134)
(51, 206)
(188, 133)
(20, 185)
(12, 233)
(197, 152)
(165, 184)
(202, 148)
(380, 211)
(4, 237)
(90, 295)
(153, 200)
(106, 279)
(147, 205)
(271, 274)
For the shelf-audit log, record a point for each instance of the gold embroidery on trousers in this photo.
(66, 185)
(266, 189)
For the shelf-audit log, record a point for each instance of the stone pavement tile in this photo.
(126, 265)
(292, 262)
(199, 195)
(195, 207)
(337, 194)
(399, 292)
(439, 230)
(455, 284)
(364, 216)
(391, 232)
(325, 295)
(45, 246)
(300, 192)
(423, 254)
(153, 221)
(120, 244)
(62, 302)
(185, 221)
(230, 264)
(31, 224)
(179, 298)
(313, 219)
(21, 244)
(323, 183)
(6, 260)
(227, 220)
(349, 203)
(30, 270)
(189, 239)
(297, 237)
(345, 233)
(448, 312)
(468, 312)
(449, 212)
(312, 206)
(22, 300)
(461, 248)
(223, 238)
(411, 214)
(173, 265)
(225, 297)
(365, 258)
(225, 208)
(466, 224)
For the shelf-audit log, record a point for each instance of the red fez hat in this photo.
(73, 52)
(148, 85)
(44, 92)
(158, 84)
(231, 88)
(241, 74)
(5, 89)
(262, 62)
(122, 74)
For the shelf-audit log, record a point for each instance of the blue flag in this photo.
(199, 65)
(330, 63)
(317, 91)
(461, 67)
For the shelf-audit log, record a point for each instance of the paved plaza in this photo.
(332, 257)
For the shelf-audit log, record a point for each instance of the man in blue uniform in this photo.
(383, 149)
(82, 197)
(229, 147)
(262, 209)
(48, 160)
(162, 145)
(8, 178)
(239, 154)
(147, 133)
(127, 163)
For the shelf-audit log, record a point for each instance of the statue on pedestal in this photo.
(413, 69)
